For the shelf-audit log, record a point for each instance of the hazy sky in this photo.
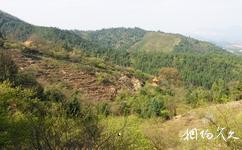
(177, 16)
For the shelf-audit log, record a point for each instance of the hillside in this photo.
(170, 134)
(95, 79)
(98, 42)
(154, 50)
(157, 42)
(114, 38)
(139, 39)
(147, 51)
(15, 29)
(101, 40)
(62, 89)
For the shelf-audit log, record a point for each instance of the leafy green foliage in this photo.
(29, 123)
(198, 96)
(218, 91)
(148, 102)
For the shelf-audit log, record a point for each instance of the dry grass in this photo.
(168, 135)
(156, 42)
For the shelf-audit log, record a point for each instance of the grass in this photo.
(156, 133)
(156, 41)
(125, 133)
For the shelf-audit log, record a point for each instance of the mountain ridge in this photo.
(111, 38)
(147, 51)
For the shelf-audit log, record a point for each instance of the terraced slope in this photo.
(94, 82)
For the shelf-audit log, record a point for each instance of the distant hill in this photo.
(199, 63)
(139, 39)
(114, 38)
(230, 38)
(16, 29)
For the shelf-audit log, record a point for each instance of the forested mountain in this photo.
(114, 38)
(18, 30)
(200, 63)
(147, 51)
(139, 39)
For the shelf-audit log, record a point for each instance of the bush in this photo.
(198, 96)
(54, 94)
(8, 68)
(148, 102)
(103, 109)
(74, 108)
(28, 80)
(124, 108)
(30, 51)
(104, 78)
(28, 123)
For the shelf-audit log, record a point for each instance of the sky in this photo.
(189, 17)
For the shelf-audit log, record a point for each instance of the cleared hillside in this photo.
(92, 77)
(157, 42)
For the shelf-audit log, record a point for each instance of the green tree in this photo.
(218, 91)
(197, 96)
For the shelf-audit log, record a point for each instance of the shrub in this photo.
(74, 108)
(103, 109)
(27, 123)
(197, 96)
(104, 78)
(28, 80)
(219, 92)
(55, 95)
(148, 102)
(8, 68)
(124, 108)
(30, 51)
